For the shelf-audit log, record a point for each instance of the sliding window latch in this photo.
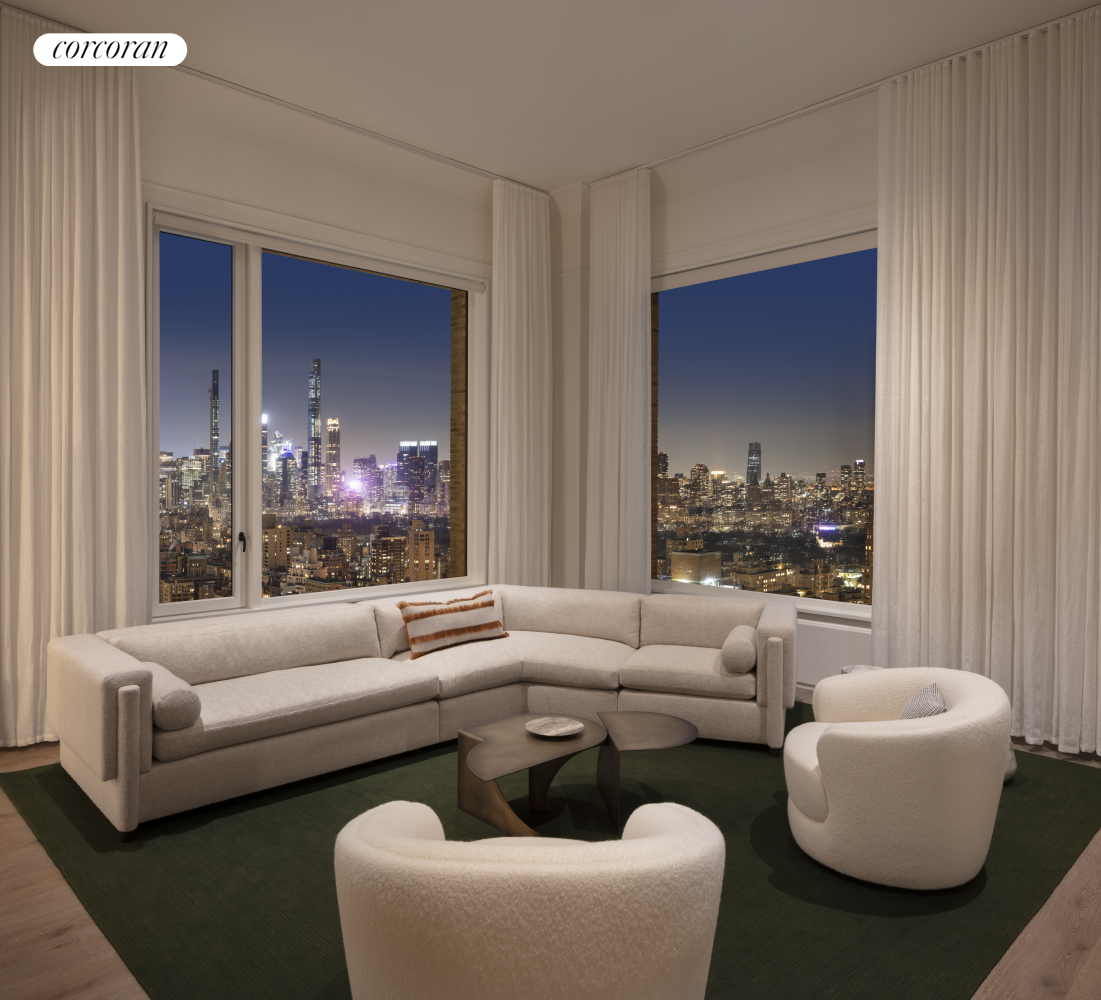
(243, 541)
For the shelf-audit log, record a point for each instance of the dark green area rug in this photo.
(238, 900)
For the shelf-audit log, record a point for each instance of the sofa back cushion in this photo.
(680, 620)
(215, 649)
(598, 614)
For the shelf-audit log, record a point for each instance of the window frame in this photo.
(248, 243)
(758, 260)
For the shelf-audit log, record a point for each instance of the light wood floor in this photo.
(51, 949)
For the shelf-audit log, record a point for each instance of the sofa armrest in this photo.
(83, 677)
(778, 621)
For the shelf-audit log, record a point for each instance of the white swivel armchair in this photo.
(542, 919)
(907, 803)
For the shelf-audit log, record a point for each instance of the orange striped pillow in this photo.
(433, 625)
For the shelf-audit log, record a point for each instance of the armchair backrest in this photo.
(505, 917)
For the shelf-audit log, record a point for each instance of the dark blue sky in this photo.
(384, 345)
(784, 356)
(196, 332)
(385, 350)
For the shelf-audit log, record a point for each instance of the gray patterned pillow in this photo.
(925, 703)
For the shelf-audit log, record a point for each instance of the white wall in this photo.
(807, 179)
(259, 164)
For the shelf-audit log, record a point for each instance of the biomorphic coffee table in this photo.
(489, 752)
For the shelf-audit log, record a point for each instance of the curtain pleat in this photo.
(520, 388)
(617, 518)
(988, 441)
(74, 453)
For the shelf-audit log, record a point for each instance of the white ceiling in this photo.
(554, 93)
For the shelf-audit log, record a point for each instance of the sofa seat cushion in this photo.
(685, 670)
(801, 772)
(254, 707)
(473, 666)
(547, 657)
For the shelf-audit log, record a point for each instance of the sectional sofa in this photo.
(158, 719)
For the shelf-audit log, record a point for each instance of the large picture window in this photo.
(763, 467)
(311, 416)
(195, 471)
(358, 436)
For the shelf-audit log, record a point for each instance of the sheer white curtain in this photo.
(617, 519)
(520, 387)
(74, 483)
(988, 425)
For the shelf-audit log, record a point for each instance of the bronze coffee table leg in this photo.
(484, 799)
(607, 778)
(540, 777)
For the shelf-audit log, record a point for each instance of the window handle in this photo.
(243, 541)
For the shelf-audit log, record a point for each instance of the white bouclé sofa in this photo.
(528, 917)
(157, 719)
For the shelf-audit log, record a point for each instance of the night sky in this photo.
(384, 345)
(196, 331)
(785, 357)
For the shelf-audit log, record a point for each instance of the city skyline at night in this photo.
(784, 356)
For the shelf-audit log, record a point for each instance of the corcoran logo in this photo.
(110, 49)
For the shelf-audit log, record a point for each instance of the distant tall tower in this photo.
(314, 475)
(663, 464)
(215, 454)
(264, 442)
(417, 477)
(858, 474)
(430, 452)
(332, 455)
(406, 451)
(753, 466)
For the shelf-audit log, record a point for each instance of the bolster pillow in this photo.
(175, 703)
(739, 653)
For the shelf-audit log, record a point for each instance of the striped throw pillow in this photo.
(433, 625)
(923, 704)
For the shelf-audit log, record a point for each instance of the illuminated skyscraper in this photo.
(288, 479)
(846, 478)
(264, 442)
(429, 451)
(753, 466)
(663, 464)
(332, 455)
(215, 454)
(314, 475)
(406, 451)
(416, 478)
(858, 474)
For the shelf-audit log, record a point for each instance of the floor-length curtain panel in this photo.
(988, 425)
(74, 483)
(617, 517)
(520, 387)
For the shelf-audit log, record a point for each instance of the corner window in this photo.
(310, 418)
(763, 476)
